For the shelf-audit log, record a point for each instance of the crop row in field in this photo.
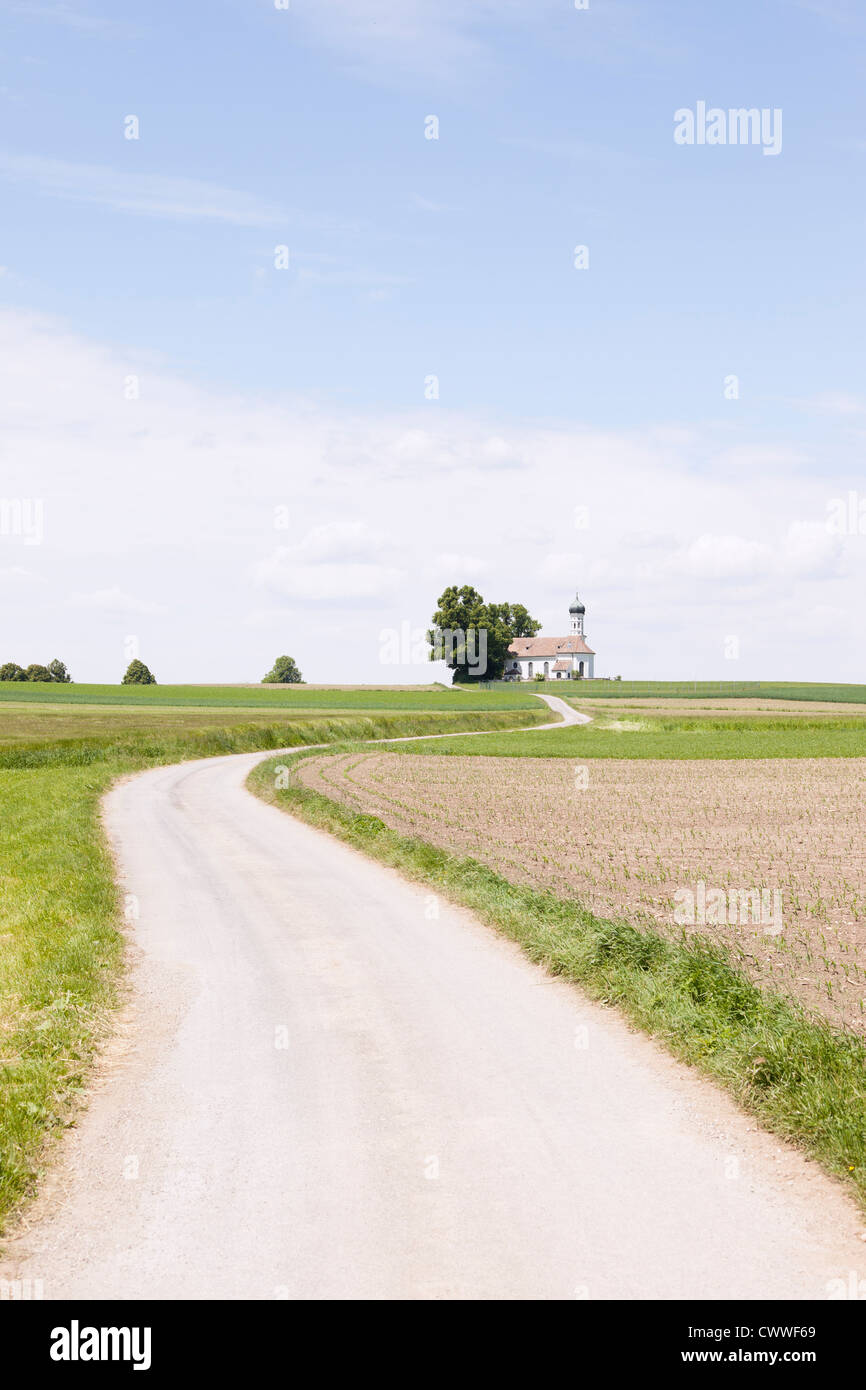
(758, 712)
(633, 838)
(299, 697)
(637, 734)
(747, 690)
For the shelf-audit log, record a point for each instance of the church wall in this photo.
(538, 666)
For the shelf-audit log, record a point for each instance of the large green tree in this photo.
(283, 672)
(472, 637)
(138, 674)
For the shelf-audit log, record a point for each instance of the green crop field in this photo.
(61, 948)
(738, 690)
(644, 736)
(72, 735)
(271, 697)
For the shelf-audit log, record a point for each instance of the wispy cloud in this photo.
(15, 574)
(153, 195)
(338, 561)
(382, 40)
(841, 403)
(114, 600)
(358, 279)
(428, 205)
(73, 19)
(845, 14)
(574, 150)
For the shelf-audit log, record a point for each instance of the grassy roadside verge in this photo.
(61, 947)
(800, 1077)
(157, 744)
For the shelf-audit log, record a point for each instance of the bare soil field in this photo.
(779, 840)
(810, 709)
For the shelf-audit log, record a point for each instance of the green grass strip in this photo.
(679, 739)
(802, 1078)
(166, 745)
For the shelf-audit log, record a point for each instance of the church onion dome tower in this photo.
(576, 612)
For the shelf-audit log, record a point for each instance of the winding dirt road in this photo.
(329, 1083)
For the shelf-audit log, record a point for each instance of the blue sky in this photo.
(408, 257)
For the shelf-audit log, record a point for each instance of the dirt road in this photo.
(329, 1083)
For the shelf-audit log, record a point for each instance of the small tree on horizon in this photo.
(59, 672)
(35, 672)
(283, 672)
(11, 671)
(138, 674)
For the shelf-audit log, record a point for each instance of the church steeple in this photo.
(576, 612)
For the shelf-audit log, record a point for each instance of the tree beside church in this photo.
(473, 637)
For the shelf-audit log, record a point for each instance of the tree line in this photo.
(136, 673)
(54, 671)
(283, 672)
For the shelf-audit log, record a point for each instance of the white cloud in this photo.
(806, 550)
(429, 37)
(340, 540)
(339, 562)
(15, 574)
(73, 19)
(114, 600)
(348, 584)
(810, 551)
(353, 279)
(574, 150)
(386, 40)
(179, 493)
(761, 459)
(563, 571)
(468, 567)
(452, 41)
(841, 403)
(844, 13)
(723, 557)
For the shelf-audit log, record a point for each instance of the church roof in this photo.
(550, 646)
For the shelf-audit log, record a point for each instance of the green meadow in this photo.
(270, 697)
(736, 690)
(641, 733)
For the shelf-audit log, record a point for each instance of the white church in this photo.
(556, 658)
